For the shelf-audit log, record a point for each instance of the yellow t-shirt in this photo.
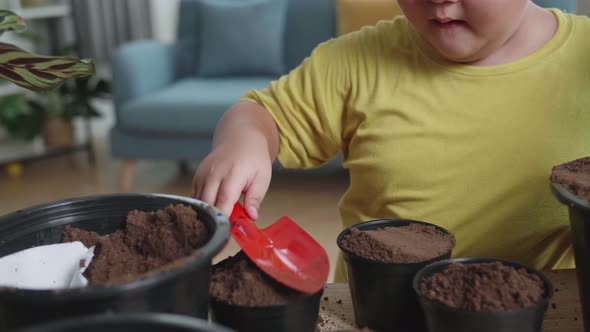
(468, 148)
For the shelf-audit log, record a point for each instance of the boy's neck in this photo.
(537, 28)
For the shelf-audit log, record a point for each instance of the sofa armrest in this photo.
(141, 67)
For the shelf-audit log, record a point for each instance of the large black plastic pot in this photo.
(128, 323)
(183, 290)
(382, 294)
(442, 318)
(579, 215)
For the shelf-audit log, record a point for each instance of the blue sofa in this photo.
(165, 111)
(565, 5)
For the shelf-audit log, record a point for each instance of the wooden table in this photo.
(563, 314)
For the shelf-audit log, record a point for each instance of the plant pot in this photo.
(442, 318)
(129, 322)
(260, 303)
(381, 293)
(58, 132)
(579, 215)
(183, 290)
(297, 316)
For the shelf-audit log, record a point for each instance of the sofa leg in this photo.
(127, 174)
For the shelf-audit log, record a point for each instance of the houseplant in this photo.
(36, 72)
(32, 72)
(22, 120)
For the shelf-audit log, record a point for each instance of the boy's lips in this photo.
(447, 23)
(443, 19)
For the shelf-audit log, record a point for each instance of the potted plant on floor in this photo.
(20, 119)
(72, 100)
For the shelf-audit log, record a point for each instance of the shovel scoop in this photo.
(283, 250)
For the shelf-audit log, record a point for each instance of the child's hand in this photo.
(228, 172)
(245, 145)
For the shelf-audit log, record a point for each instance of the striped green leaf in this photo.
(40, 73)
(9, 21)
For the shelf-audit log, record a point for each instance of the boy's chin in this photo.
(457, 53)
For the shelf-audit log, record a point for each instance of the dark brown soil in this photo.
(412, 243)
(484, 287)
(151, 242)
(575, 176)
(237, 281)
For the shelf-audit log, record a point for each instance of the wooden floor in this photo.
(309, 198)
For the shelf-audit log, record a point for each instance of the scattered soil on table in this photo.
(328, 324)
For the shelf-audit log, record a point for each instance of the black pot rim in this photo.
(390, 223)
(568, 198)
(210, 249)
(473, 260)
(152, 317)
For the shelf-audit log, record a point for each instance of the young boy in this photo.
(454, 114)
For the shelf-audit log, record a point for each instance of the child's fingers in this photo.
(230, 189)
(255, 194)
(209, 191)
(200, 180)
(197, 186)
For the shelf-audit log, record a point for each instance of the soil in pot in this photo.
(571, 186)
(405, 244)
(489, 287)
(150, 243)
(237, 281)
(575, 176)
(248, 300)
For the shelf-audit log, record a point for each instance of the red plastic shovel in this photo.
(283, 250)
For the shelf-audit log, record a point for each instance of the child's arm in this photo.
(298, 117)
(245, 144)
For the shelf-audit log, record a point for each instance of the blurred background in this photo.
(166, 72)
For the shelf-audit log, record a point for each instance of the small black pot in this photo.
(579, 215)
(128, 323)
(184, 290)
(442, 318)
(382, 295)
(300, 315)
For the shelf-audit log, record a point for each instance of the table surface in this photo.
(563, 314)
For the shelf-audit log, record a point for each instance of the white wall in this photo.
(164, 18)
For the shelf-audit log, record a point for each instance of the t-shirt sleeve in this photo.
(308, 105)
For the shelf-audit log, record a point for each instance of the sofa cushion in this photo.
(189, 107)
(309, 22)
(188, 38)
(242, 37)
(352, 15)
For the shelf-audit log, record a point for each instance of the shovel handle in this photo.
(244, 227)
